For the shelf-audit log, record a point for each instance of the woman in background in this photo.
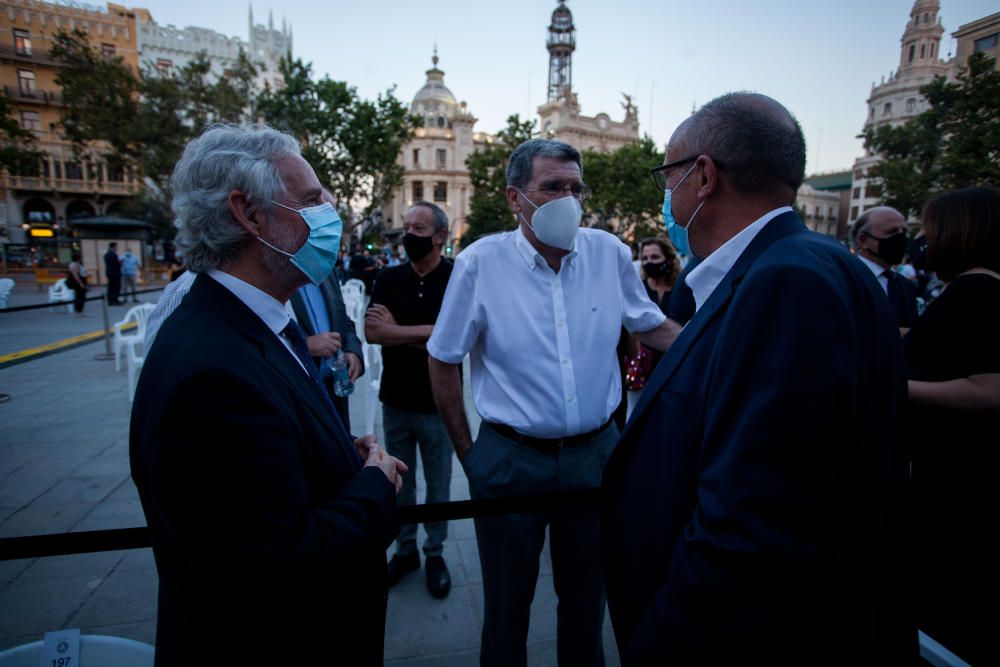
(76, 280)
(953, 355)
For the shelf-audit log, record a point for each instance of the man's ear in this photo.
(708, 176)
(243, 213)
(441, 234)
(512, 199)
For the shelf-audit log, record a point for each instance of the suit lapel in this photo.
(274, 353)
(717, 303)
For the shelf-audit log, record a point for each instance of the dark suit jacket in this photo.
(269, 537)
(340, 323)
(754, 509)
(906, 310)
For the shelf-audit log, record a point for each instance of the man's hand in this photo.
(662, 337)
(354, 366)
(392, 467)
(324, 345)
(379, 314)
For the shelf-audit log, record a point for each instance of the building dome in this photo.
(562, 18)
(434, 102)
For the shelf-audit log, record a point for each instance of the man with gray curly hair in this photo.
(263, 512)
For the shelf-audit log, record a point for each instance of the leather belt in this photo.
(547, 444)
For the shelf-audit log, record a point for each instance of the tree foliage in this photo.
(18, 154)
(624, 198)
(954, 143)
(488, 210)
(352, 143)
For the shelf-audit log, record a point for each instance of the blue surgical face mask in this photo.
(318, 255)
(678, 235)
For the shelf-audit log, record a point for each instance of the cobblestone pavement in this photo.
(64, 467)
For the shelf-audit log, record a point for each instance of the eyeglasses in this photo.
(581, 192)
(660, 173)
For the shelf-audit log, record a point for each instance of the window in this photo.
(442, 158)
(887, 109)
(854, 213)
(984, 43)
(913, 50)
(911, 104)
(30, 120)
(873, 112)
(416, 157)
(22, 42)
(874, 189)
(440, 191)
(418, 191)
(856, 194)
(58, 168)
(922, 47)
(164, 65)
(817, 215)
(74, 171)
(116, 174)
(107, 50)
(858, 174)
(26, 82)
(440, 121)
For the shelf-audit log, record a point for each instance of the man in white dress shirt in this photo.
(540, 310)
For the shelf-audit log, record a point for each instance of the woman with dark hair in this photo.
(76, 280)
(954, 370)
(659, 269)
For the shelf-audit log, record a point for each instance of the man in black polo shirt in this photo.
(405, 303)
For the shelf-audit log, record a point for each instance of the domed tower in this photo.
(561, 44)
(434, 102)
(922, 37)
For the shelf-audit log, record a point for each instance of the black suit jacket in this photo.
(269, 537)
(755, 507)
(340, 323)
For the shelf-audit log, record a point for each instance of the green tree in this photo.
(18, 154)
(488, 210)
(352, 143)
(953, 144)
(624, 198)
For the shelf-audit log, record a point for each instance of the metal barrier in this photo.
(61, 544)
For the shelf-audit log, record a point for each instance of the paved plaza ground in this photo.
(64, 467)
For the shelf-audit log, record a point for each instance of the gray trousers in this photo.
(404, 432)
(129, 282)
(510, 545)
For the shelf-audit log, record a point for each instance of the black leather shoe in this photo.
(438, 579)
(400, 566)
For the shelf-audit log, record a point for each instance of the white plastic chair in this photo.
(354, 306)
(95, 651)
(138, 314)
(59, 293)
(6, 285)
(373, 371)
(353, 286)
(134, 366)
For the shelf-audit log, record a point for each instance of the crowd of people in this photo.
(802, 479)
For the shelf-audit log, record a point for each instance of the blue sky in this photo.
(818, 58)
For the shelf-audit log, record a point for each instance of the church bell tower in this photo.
(561, 44)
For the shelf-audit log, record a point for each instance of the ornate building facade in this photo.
(434, 160)
(41, 207)
(167, 47)
(560, 118)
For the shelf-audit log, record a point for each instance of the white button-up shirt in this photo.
(705, 277)
(542, 344)
(879, 271)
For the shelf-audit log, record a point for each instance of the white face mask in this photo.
(556, 223)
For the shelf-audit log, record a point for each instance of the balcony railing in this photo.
(47, 184)
(46, 97)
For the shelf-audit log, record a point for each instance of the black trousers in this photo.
(114, 288)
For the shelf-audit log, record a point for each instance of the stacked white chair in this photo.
(373, 372)
(6, 285)
(139, 315)
(59, 294)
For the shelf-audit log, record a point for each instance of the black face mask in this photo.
(917, 252)
(417, 247)
(654, 269)
(892, 248)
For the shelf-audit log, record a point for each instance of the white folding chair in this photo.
(373, 371)
(6, 285)
(134, 366)
(59, 293)
(139, 315)
(353, 286)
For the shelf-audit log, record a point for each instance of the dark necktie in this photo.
(294, 335)
(896, 297)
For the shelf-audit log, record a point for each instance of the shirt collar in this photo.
(872, 266)
(705, 277)
(267, 308)
(534, 258)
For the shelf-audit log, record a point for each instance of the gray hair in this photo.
(521, 160)
(860, 225)
(224, 158)
(757, 142)
(440, 217)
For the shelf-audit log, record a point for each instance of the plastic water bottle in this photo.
(342, 384)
